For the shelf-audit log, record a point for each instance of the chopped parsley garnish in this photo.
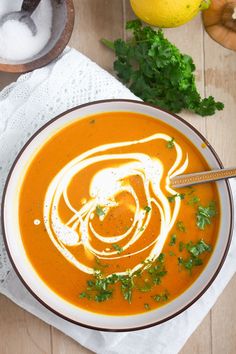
(155, 70)
(173, 240)
(204, 215)
(190, 262)
(194, 251)
(180, 226)
(99, 264)
(171, 253)
(147, 209)
(170, 144)
(199, 248)
(181, 246)
(194, 200)
(127, 285)
(157, 270)
(99, 211)
(153, 274)
(100, 289)
(172, 197)
(161, 297)
(117, 248)
(191, 190)
(147, 307)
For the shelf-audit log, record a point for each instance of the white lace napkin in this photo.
(25, 106)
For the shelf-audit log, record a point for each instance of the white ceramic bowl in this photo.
(54, 302)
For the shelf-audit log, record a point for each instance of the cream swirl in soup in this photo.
(105, 186)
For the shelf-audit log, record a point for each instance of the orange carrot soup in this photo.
(100, 222)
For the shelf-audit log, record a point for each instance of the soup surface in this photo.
(100, 223)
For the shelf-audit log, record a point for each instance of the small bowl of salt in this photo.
(33, 38)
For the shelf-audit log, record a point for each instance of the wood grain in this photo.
(96, 20)
(22, 332)
(216, 75)
(224, 322)
(62, 344)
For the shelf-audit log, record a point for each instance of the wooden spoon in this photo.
(24, 15)
(202, 177)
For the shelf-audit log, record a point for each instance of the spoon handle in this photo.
(202, 177)
(30, 6)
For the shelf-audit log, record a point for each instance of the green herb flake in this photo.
(191, 190)
(180, 226)
(161, 258)
(147, 307)
(190, 263)
(194, 200)
(194, 251)
(161, 297)
(99, 211)
(157, 271)
(84, 295)
(147, 208)
(127, 285)
(181, 246)
(146, 287)
(172, 197)
(173, 240)
(155, 70)
(99, 264)
(204, 215)
(100, 288)
(117, 248)
(170, 144)
(199, 248)
(171, 253)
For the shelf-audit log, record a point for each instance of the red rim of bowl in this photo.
(184, 307)
(56, 50)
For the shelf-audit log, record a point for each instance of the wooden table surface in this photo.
(23, 333)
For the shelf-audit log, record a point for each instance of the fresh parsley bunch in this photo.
(156, 71)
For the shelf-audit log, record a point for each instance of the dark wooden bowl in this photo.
(62, 27)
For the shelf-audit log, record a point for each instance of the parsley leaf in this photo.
(127, 285)
(157, 270)
(172, 197)
(117, 248)
(147, 208)
(161, 297)
(155, 70)
(198, 248)
(194, 200)
(181, 246)
(173, 240)
(204, 215)
(194, 251)
(170, 144)
(99, 288)
(180, 226)
(99, 211)
(171, 253)
(147, 307)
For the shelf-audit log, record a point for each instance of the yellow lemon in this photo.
(168, 13)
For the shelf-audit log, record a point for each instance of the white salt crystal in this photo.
(16, 40)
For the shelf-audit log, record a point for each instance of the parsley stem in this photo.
(108, 44)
